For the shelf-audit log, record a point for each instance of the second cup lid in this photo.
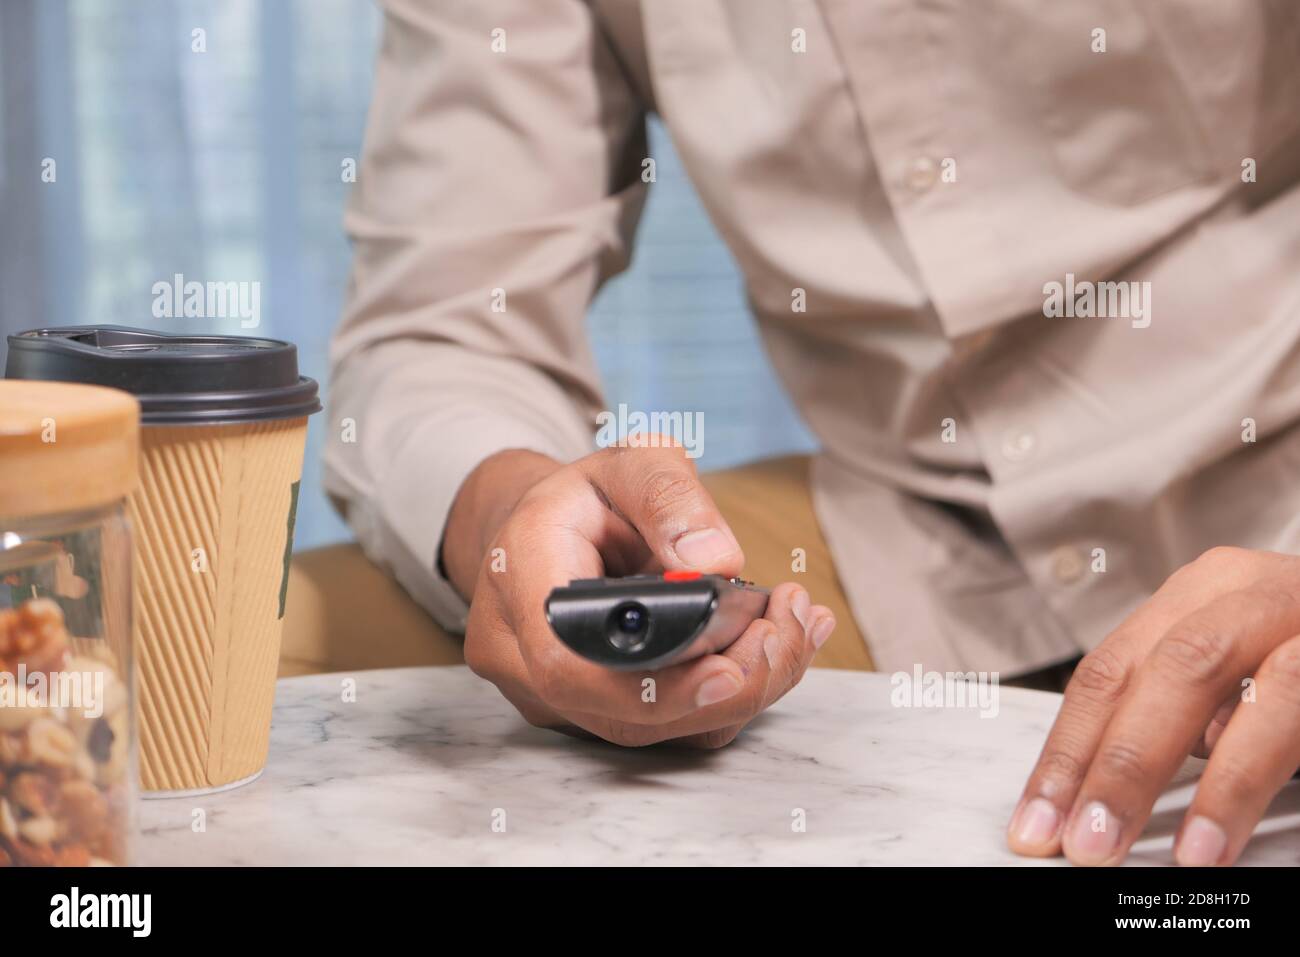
(178, 379)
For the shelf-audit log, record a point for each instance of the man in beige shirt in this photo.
(1032, 276)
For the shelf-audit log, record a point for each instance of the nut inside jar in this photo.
(64, 758)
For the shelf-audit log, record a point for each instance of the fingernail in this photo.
(1036, 823)
(772, 647)
(718, 688)
(822, 631)
(799, 606)
(703, 547)
(1094, 834)
(1202, 843)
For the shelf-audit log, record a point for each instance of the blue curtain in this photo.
(224, 163)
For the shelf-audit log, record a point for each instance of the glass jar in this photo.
(67, 754)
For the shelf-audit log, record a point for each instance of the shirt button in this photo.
(922, 173)
(1067, 565)
(1018, 446)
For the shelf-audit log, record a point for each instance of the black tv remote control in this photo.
(645, 622)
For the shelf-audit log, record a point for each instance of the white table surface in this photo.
(428, 764)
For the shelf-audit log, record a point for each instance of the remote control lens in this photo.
(629, 627)
(632, 620)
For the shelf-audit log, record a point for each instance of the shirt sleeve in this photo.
(498, 188)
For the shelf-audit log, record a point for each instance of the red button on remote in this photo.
(681, 576)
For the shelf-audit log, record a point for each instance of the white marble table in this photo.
(427, 764)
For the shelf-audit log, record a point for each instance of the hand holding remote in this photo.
(617, 512)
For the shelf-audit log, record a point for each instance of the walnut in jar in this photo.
(63, 764)
(33, 635)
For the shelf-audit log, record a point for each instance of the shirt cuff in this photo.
(412, 507)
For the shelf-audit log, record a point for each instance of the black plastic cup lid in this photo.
(179, 379)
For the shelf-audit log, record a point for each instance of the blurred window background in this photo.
(225, 165)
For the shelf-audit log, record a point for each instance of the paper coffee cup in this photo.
(225, 426)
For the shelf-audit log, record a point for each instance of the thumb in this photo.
(659, 492)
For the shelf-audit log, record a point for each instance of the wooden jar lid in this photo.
(65, 447)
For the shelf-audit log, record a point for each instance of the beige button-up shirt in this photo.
(1049, 256)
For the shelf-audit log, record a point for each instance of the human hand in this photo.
(1169, 683)
(620, 511)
